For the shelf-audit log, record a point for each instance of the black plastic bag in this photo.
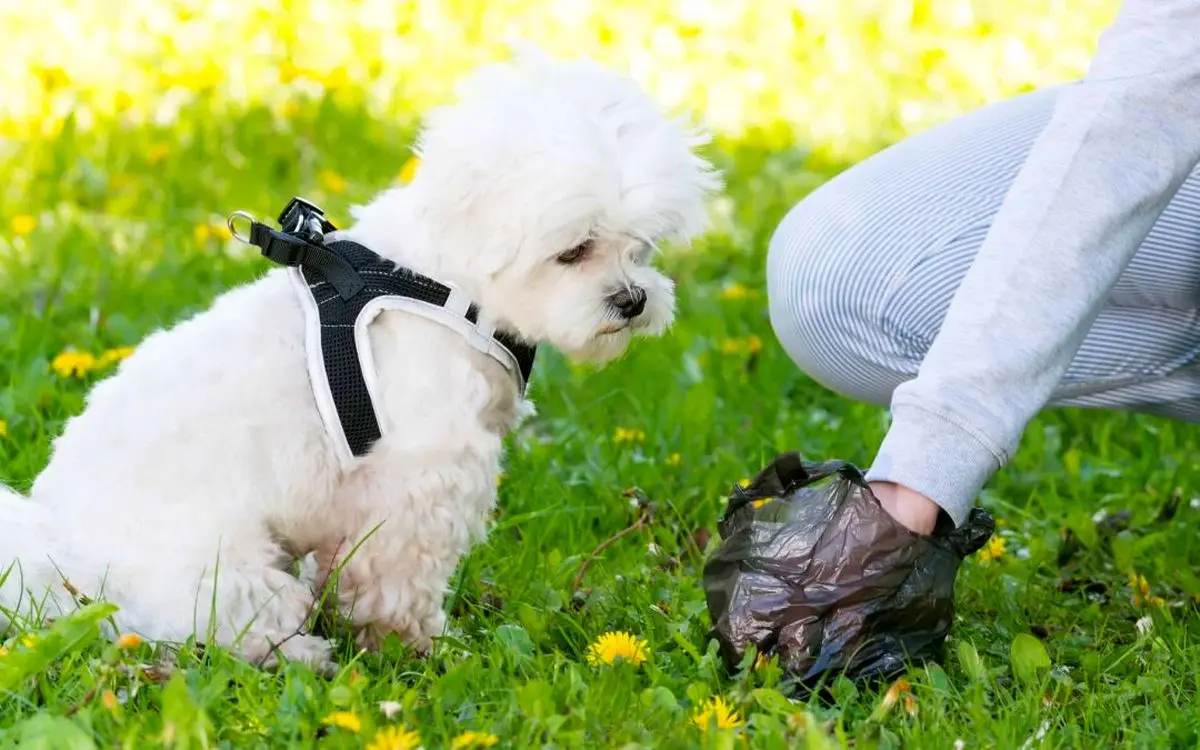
(811, 567)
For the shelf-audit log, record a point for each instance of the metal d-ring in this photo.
(233, 217)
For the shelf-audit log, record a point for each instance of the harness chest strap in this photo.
(342, 286)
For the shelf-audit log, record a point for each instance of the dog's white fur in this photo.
(201, 469)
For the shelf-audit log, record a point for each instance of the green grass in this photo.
(116, 254)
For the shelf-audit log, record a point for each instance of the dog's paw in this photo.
(310, 650)
(315, 652)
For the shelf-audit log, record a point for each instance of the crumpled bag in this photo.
(812, 568)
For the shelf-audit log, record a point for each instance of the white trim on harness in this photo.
(316, 367)
(477, 338)
(479, 335)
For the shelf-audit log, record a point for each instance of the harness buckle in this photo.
(305, 219)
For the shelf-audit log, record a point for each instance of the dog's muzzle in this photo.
(629, 302)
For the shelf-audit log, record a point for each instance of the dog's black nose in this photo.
(629, 301)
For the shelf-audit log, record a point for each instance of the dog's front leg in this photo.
(415, 521)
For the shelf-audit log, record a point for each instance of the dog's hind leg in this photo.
(261, 614)
(32, 585)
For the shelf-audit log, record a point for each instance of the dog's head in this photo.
(553, 184)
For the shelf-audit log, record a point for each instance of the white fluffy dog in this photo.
(201, 470)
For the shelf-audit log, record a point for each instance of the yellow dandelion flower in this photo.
(900, 690)
(1141, 591)
(629, 435)
(23, 224)
(331, 181)
(762, 660)
(335, 79)
(395, 738)
(122, 100)
(409, 170)
(760, 502)
(73, 364)
(158, 153)
(674, 459)
(619, 645)
(207, 76)
(738, 291)
(748, 345)
(128, 641)
(343, 719)
(1139, 583)
(993, 550)
(716, 712)
(473, 739)
(3, 428)
(29, 640)
(114, 355)
(210, 230)
(53, 77)
(109, 699)
(288, 71)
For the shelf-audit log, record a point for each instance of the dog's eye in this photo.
(576, 254)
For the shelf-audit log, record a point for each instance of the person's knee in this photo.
(806, 291)
(795, 283)
(818, 300)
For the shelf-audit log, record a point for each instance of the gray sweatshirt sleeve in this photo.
(1118, 146)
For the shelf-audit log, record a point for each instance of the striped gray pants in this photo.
(861, 272)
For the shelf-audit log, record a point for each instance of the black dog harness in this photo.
(342, 286)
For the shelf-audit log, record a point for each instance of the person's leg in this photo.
(861, 272)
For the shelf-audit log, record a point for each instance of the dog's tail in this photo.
(25, 565)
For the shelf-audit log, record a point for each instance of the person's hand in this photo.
(917, 512)
(831, 577)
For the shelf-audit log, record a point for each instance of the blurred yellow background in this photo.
(840, 76)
